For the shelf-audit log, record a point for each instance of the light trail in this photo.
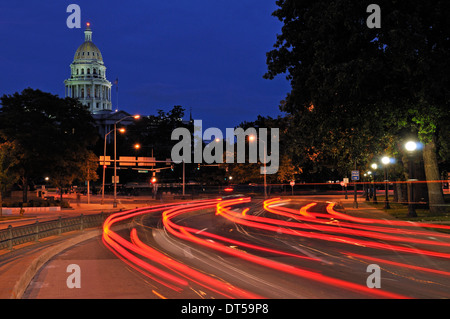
(332, 226)
(176, 275)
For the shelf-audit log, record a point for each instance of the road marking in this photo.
(202, 230)
(158, 294)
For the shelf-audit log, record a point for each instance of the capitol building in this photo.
(88, 84)
(87, 80)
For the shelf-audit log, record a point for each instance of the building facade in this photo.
(87, 80)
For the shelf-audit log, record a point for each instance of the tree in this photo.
(9, 157)
(53, 134)
(355, 82)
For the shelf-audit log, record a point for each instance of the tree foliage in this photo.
(53, 135)
(353, 87)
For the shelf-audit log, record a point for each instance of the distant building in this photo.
(87, 80)
(88, 84)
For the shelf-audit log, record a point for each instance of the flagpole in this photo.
(117, 93)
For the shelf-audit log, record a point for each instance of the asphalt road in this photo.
(199, 250)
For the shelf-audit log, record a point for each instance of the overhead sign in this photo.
(355, 175)
(123, 161)
(105, 160)
(146, 161)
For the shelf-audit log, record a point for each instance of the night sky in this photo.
(206, 55)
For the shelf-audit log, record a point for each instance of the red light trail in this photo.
(332, 226)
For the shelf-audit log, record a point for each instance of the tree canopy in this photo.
(53, 135)
(355, 89)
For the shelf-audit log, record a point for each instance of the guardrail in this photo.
(13, 236)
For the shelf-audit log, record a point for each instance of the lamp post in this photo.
(121, 130)
(386, 160)
(251, 139)
(411, 147)
(374, 167)
(115, 155)
(368, 174)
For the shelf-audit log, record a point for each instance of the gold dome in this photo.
(88, 50)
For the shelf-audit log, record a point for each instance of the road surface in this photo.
(243, 248)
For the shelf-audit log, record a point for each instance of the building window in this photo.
(82, 71)
(88, 71)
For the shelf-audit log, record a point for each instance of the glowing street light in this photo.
(253, 138)
(374, 167)
(411, 146)
(386, 160)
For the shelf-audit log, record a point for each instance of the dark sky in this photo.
(208, 55)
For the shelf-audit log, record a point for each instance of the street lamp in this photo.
(253, 138)
(374, 167)
(367, 185)
(386, 160)
(136, 117)
(411, 147)
(121, 130)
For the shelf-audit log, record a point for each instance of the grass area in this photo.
(400, 211)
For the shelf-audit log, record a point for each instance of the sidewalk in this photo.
(17, 268)
(364, 209)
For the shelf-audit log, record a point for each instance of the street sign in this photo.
(355, 175)
(117, 179)
(123, 161)
(345, 180)
(105, 160)
(292, 183)
(146, 161)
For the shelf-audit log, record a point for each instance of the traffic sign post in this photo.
(345, 182)
(292, 183)
(355, 178)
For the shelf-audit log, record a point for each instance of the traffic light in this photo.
(172, 167)
(153, 180)
(198, 167)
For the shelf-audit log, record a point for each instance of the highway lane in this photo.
(248, 249)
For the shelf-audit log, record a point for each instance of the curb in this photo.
(25, 279)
